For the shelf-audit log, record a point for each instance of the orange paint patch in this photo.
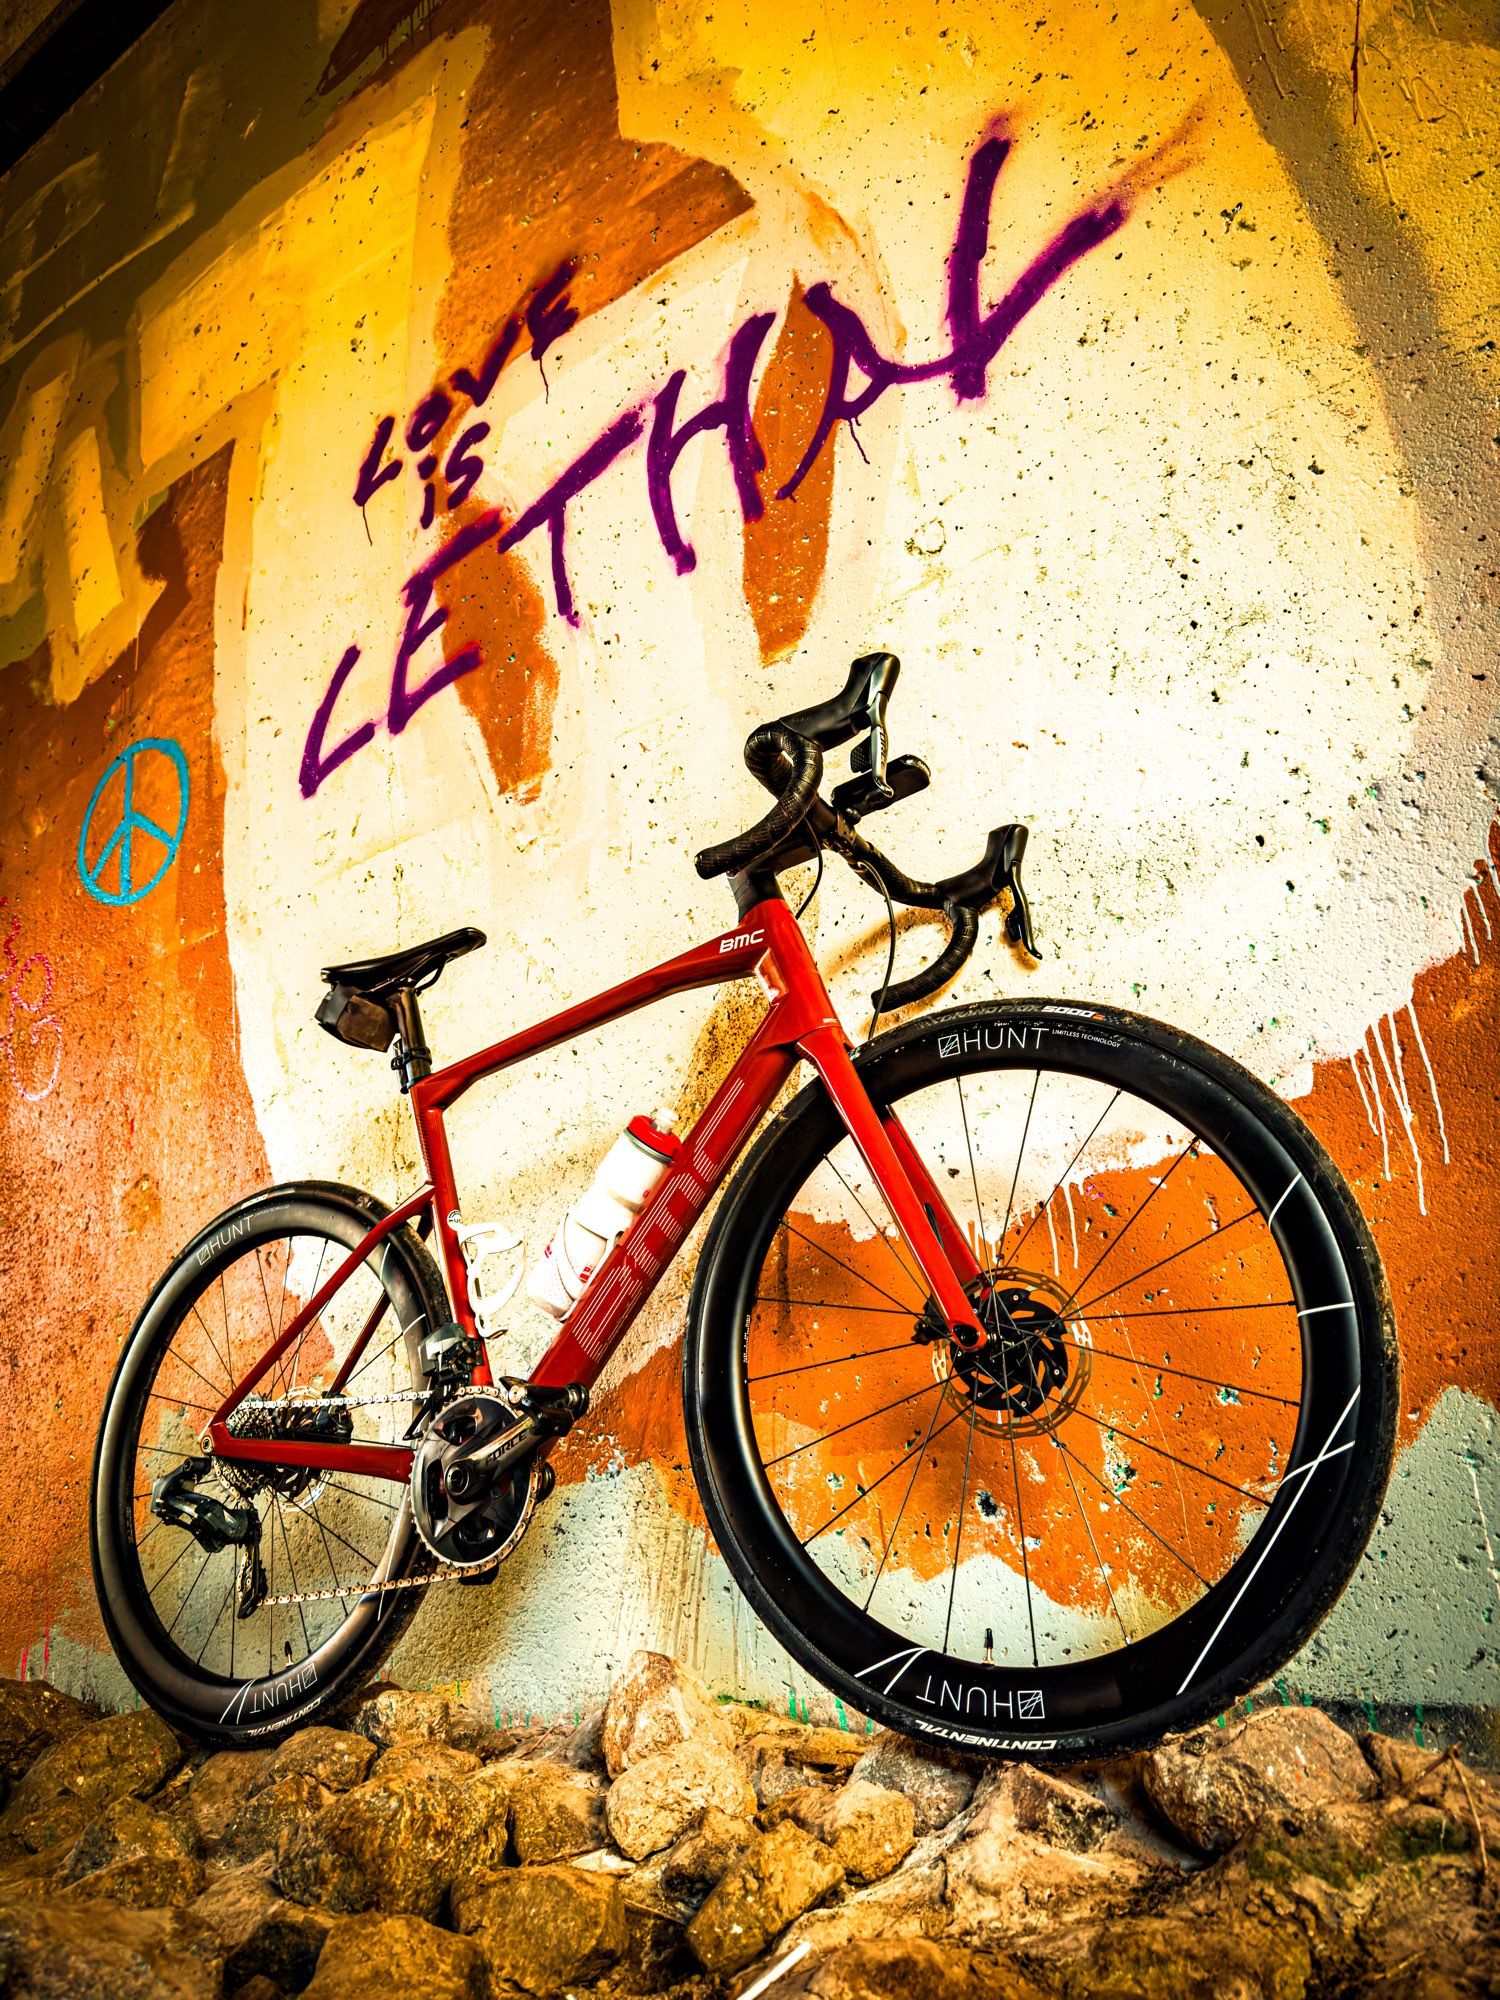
(147, 1128)
(786, 550)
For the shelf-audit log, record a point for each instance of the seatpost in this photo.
(413, 1059)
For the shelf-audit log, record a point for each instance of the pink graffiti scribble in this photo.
(859, 375)
(41, 1030)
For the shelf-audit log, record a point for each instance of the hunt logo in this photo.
(265, 1697)
(975, 1041)
(980, 1697)
(230, 1234)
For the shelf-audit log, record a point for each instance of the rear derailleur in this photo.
(214, 1525)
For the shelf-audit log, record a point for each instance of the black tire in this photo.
(1063, 1701)
(356, 1628)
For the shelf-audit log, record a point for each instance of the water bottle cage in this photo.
(478, 1241)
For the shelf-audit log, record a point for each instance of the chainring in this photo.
(472, 1532)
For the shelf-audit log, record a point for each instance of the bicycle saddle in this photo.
(418, 965)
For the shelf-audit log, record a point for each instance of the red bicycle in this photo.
(1020, 1340)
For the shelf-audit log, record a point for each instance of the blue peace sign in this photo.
(133, 825)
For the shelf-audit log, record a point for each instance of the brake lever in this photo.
(961, 898)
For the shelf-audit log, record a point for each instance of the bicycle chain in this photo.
(372, 1589)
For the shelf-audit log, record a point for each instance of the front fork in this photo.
(943, 1252)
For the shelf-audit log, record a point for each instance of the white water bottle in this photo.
(627, 1174)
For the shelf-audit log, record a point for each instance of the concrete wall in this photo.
(1197, 577)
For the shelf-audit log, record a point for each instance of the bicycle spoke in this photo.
(184, 1602)
(1189, 1151)
(368, 1498)
(1036, 1078)
(958, 1539)
(901, 1264)
(1209, 1236)
(213, 1349)
(312, 1293)
(865, 1492)
(1165, 1368)
(828, 1305)
(292, 1572)
(313, 1515)
(218, 1620)
(890, 1540)
(837, 1361)
(1118, 1430)
(1125, 1508)
(177, 1402)
(984, 1239)
(853, 1424)
(1015, 1467)
(1098, 1561)
(858, 1275)
(1088, 1139)
(212, 1388)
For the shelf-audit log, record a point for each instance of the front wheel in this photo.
(1145, 1487)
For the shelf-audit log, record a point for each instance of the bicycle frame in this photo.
(768, 944)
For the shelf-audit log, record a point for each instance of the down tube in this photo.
(628, 1275)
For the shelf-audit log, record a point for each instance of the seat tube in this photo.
(827, 1051)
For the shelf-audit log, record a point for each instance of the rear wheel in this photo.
(260, 1633)
(1143, 1490)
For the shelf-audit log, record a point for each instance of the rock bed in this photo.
(677, 1845)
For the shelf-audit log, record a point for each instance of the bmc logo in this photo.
(740, 938)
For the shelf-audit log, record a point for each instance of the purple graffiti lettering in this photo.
(477, 387)
(465, 466)
(971, 243)
(422, 625)
(427, 419)
(370, 481)
(317, 763)
(729, 412)
(551, 312)
(551, 508)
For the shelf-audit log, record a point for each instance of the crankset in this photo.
(477, 1479)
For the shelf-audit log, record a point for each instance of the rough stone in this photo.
(783, 1874)
(425, 1760)
(393, 1718)
(655, 1704)
(120, 1756)
(392, 1847)
(938, 1786)
(543, 1928)
(268, 1815)
(97, 1951)
(583, 1746)
(261, 1933)
(655, 1955)
(32, 1717)
(1057, 1810)
(773, 1781)
(658, 1797)
(704, 1853)
(869, 1830)
(554, 1812)
(397, 1956)
(338, 1759)
(907, 1969)
(816, 1747)
(483, 1816)
(217, 1790)
(1215, 1784)
(132, 1855)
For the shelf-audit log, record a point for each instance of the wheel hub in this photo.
(1033, 1364)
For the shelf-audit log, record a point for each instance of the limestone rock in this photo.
(32, 1717)
(217, 1790)
(425, 1760)
(543, 1928)
(1057, 1810)
(938, 1786)
(120, 1756)
(269, 1815)
(659, 1796)
(338, 1759)
(262, 1935)
(783, 1874)
(655, 1955)
(483, 1810)
(704, 1853)
(869, 1830)
(815, 1747)
(906, 1969)
(393, 1718)
(400, 1957)
(132, 1855)
(96, 1951)
(652, 1706)
(392, 1847)
(583, 1747)
(1215, 1784)
(554, 1812)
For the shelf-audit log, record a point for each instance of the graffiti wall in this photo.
(431, 437)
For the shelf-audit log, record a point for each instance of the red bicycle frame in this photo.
(768, 944)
